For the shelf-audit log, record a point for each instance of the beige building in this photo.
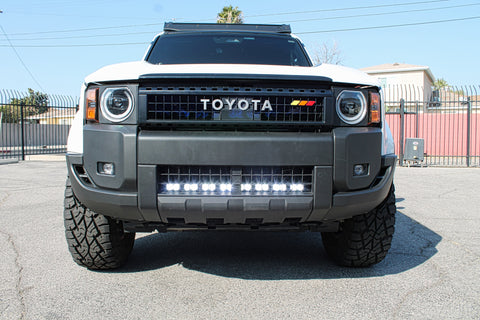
(54, 116)
(403, 81)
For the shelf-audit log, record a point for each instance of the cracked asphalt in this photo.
(431, 272)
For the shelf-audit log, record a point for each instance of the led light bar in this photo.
(296, 187)
(190, 187)
(279, 187)
(225, 187)
(246, 187)
(209, 187)
(173, 187)
(222, 188)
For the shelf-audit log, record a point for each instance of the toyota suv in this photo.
(229, 127)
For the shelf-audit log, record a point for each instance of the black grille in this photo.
(236, 177)
(202, 107)
(264, 103)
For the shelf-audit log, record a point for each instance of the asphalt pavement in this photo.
(431, 272)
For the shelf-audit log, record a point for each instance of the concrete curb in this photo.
(36, 157)
(8, 161)
(45, 157)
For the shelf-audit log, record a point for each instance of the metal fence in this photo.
(446, 120)
(34, 123)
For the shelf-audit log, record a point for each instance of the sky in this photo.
(52, 45)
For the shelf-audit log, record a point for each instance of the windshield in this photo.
(228, 48)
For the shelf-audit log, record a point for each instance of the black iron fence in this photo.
(34, 123)
(444, 123)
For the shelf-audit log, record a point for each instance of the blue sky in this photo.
(57, 43)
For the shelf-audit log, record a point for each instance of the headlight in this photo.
(116, 104)
(351, 106)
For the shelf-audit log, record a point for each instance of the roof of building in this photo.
(398, 67)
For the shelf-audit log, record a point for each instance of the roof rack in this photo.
(262, 28)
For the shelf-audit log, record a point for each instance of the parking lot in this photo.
(431, 272)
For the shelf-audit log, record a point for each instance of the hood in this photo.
(135, 70)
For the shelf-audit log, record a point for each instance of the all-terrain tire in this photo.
(94, 240)
(363, 240)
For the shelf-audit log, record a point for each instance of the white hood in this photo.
(134, 70)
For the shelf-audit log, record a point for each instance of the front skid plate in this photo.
(235, 210)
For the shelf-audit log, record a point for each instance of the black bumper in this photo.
(132, 194)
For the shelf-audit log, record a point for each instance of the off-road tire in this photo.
(94, 240)
(363, 240)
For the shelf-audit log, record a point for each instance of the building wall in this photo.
(57, 120)
(428, 86)
(408, 85)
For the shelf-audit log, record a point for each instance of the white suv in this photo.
(229, 127)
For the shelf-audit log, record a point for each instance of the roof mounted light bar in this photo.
(262, 28)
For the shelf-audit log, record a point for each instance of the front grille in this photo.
(226, 180)
(231, 104)
(200, 107)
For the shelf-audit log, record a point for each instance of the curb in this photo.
(45, 157)
(37, 157)
(8, 161)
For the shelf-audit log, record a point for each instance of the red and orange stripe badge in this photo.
(307, 103)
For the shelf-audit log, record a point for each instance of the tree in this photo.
(34, 103)
(327, 53)
(33, 99)
(440, 84)
(230, 14)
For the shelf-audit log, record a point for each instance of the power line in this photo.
(79, 45)
(88, 29)
(344, 9)
(288, 21)
(389, 26)
(306, 32)
(247, 16)
(381, 14)
(20, 59)
(81, 37)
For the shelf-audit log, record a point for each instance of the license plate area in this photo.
(237, 115)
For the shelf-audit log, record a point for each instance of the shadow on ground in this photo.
(275, 255)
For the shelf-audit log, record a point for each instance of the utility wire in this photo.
(344, 9)
(306, 32)
(88, 29)
(389, 26)
(20, 59)
(81, 37)
(289, 21)
(381, 14)
(247, 16)
(79, 45)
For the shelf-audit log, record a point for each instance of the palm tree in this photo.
(440, 84)
(230, 14)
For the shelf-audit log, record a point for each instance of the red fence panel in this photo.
(448, 122)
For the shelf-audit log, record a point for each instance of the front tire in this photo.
(363, 240)
(95, 241)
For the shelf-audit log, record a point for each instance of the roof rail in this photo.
(262, 28)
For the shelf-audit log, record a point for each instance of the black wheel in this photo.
(94, 240)
(363, 240)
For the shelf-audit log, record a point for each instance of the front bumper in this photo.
(132, 194)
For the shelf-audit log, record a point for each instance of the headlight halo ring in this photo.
(108, 98)
(357, 118)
